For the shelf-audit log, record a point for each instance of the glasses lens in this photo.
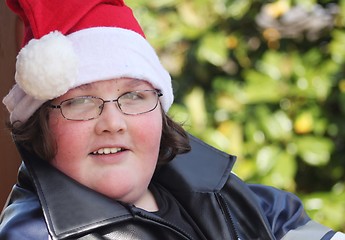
(81, 108)
(89, 107)
(138, 102)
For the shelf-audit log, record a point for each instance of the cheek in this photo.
(146, 133)
(151, 129)
(69, 142)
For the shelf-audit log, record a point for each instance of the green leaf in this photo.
(314, 150)
(213, 49)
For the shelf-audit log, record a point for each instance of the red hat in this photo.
(69, 43)
(42, 17)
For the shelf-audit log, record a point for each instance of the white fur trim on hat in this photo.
(48, 69)
(20, 105)
(106, 53)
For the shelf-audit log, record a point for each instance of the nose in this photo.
(111, 120)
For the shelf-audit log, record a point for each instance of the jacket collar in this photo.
(69, 207)
(203, 169)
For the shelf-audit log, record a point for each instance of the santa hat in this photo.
(69, 43)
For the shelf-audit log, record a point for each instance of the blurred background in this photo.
(262, 80)
(9, 160)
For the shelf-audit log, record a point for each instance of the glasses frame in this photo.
(156, 91)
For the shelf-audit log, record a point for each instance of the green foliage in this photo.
(263, 80)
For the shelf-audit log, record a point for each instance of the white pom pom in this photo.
(47, 67)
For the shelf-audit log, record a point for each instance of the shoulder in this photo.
(282, 211)
(287, 216)
(23, 217)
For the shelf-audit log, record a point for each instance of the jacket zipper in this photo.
(225, 208)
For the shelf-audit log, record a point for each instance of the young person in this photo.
(101, 157)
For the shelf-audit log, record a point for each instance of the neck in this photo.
(147, 202)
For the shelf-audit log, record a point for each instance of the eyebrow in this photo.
(136, 82)
(84, 86)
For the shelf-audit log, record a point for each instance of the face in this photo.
(123, 175)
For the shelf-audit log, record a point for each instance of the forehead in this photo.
(121, 82)
(98, 87)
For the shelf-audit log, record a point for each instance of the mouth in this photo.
(106, 151)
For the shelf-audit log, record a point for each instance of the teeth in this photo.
(107, 150)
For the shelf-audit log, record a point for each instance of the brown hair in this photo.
(174, 140)
(35, 136)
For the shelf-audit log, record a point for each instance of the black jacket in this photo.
(46, 204)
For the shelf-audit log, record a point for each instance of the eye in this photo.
(133, 96)
(79, 101)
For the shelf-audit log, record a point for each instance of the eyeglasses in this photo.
(89, 107)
